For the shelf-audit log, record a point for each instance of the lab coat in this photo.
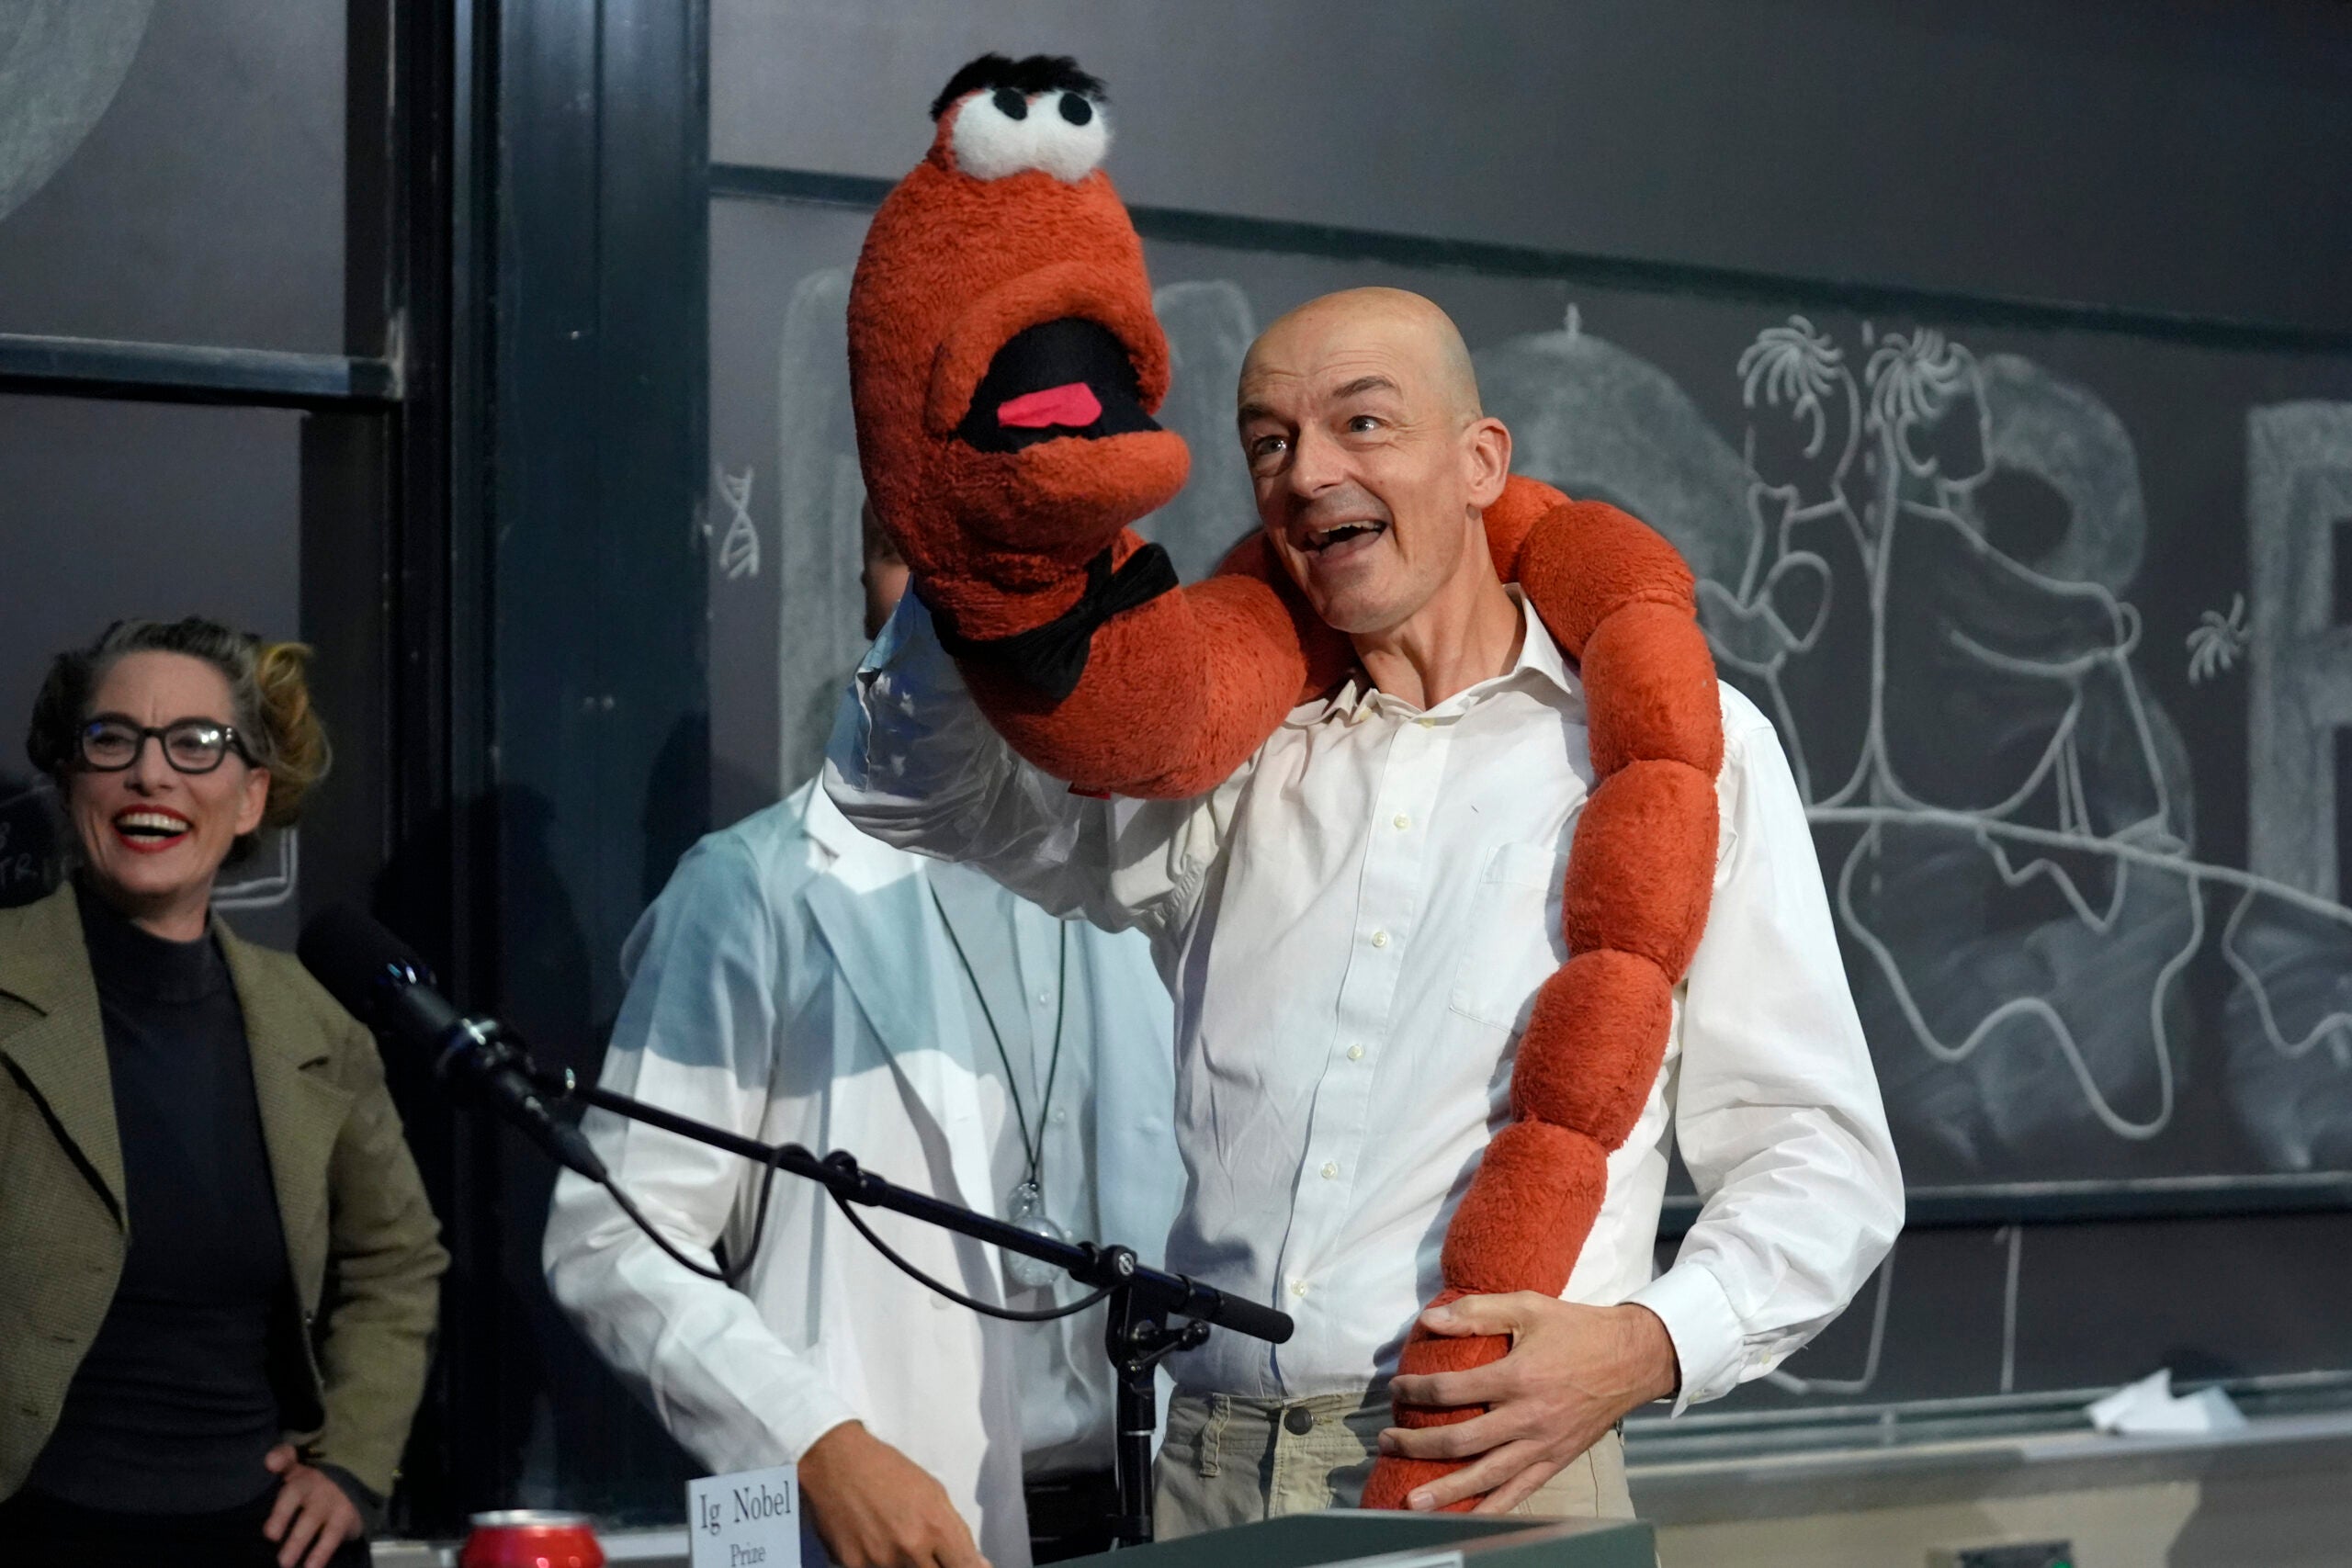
(795, 983)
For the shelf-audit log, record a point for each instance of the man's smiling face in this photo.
(1359, 422)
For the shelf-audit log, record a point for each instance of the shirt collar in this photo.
(1540, 665)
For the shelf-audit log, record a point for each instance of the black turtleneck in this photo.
(173, 1406)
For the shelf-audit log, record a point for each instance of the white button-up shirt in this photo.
(1354, 926)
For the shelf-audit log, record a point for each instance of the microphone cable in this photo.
(734, 1273)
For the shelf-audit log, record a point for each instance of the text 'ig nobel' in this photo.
(743, 1505)
(746, 1519)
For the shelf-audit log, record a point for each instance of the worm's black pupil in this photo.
(1009, 104)
(1076, 109)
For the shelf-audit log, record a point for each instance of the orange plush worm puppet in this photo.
(1005, 364)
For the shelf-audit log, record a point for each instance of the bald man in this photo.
(1355, 924)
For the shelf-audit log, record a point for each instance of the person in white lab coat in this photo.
(799, 981)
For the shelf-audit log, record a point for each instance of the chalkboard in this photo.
(2043, 615)
(2042, 605)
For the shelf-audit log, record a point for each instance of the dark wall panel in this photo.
(2139, 154)
(199, 197)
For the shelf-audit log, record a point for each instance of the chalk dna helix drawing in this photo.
(739, 546)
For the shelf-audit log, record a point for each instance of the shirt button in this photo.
(1330, 1170)
(1297, 1288)
(1043, 998)
(1426, 722)
(1060, 1115)
(1403, 821)
(1380, 939)
(1356, 1052)
(939, 1303)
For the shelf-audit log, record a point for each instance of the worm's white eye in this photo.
(1072, 134)
(1003, 131)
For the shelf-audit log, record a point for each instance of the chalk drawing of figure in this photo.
(2000, 689)
(2035, 980)
(1959, 943)
(1797, 621)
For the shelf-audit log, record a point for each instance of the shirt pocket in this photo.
(1512, 940)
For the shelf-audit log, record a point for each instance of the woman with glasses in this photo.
(217, 1264)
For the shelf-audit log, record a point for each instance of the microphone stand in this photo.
(1142, 1302)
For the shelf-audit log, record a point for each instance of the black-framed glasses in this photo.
(111, 743)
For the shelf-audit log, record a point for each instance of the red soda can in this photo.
(522, 1537)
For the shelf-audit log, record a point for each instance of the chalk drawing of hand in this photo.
(1784, 615)
(2217, 639)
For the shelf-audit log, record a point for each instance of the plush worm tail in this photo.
(1641, 868)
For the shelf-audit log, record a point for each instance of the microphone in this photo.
(388, 987)
(1242, 1317)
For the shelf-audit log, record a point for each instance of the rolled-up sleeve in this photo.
(913, 762)
(1776, 1110)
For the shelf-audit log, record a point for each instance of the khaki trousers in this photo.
(1230, 1459)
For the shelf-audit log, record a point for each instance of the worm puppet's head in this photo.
(1004, 361)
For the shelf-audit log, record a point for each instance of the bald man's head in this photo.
(1410, 319)
(1371, 461)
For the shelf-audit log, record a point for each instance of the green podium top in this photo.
(1360, 1538)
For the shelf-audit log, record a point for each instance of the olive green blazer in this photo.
(360, 1233)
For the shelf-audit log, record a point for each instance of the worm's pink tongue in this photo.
(1072, 405)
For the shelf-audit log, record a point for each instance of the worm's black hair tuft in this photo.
(1036, 74)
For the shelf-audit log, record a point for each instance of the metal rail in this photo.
(178, 373)
(1287, 237)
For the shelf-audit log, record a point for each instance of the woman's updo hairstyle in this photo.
(269, 696)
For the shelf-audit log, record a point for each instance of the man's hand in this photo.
(1572, 1372)
(311, 1511)
(875, 1507)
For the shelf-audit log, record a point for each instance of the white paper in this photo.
(749, 1520)
(1448, 1559)
(2150, 1406)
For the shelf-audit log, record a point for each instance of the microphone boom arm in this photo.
(1175, 1294)
(1143, 1300)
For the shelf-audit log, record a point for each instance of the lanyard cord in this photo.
(735, 1275)
(1032, 1149)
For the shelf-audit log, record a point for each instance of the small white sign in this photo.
(748, 1520)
